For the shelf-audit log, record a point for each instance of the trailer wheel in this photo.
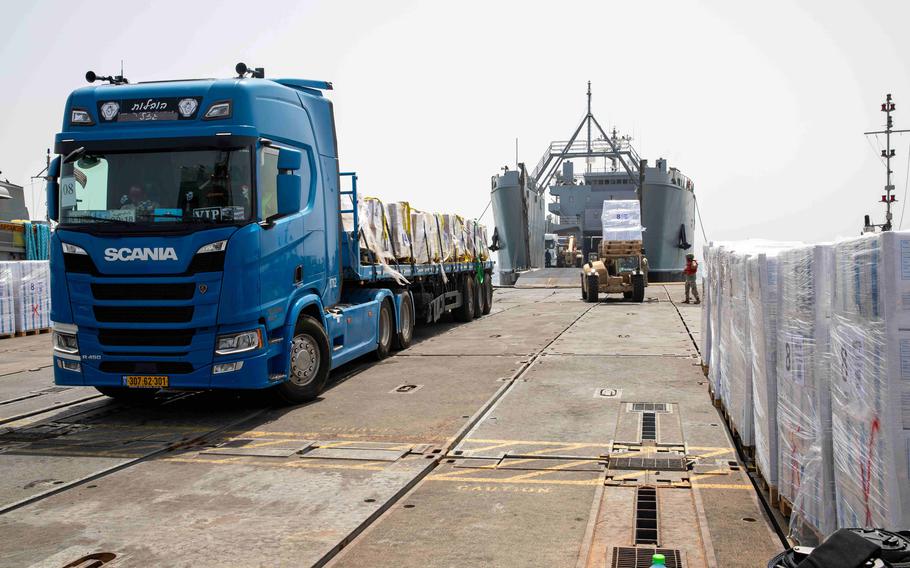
(478, 297)
(405, 323)
(638, 288)
(386, 330)
(465, 312)
(584, 292)
(128, 395)
(487, 293)
(593, 288)
(310, 363)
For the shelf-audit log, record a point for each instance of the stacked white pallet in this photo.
(736, 345)
(805, 468)
(870, 381)
(7, 300)
(716, 275)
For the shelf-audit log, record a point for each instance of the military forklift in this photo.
(619, 267)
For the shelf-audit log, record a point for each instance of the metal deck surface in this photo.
(508, 441)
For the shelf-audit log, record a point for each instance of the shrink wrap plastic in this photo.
(399, 222)
(425, 237)
(736, 376)
(870, 381)
(621, 220)
(25, 296)
(480, 242)
(374, 236)
(714, 270)
(459, 232)
(706, 335)
(446, 225)
(470, 238)
(805, 467)
(7, 302)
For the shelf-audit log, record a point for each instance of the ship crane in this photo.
(604, 146)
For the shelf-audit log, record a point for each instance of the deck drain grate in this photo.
(651, 463)
(627, 557)
(649, 407)
(648, 426)
(646, 516)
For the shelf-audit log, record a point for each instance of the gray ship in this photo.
(610, 168)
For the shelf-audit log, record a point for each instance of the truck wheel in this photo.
(638, 288)
(310, 363)
(478, 298)
(487, 293)
(584, 292)
(386, 330)
(129, 396)
(465, 312)
(593, 288)
(405, 322)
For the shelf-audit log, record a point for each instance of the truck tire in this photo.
(478, 298)
(310, 363)
(386, 330)
(487, 293)
(465, 312)
(638, 288)
(593, 288)
(406, 319)
(584, 292)
(627, 295)
(128, 395)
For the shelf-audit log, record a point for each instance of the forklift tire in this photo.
(386, 330)
(465, 312)
(593, 288)
(406, 320)
(584, 293)
(487, 293)
(638, 288)
(311, 360)
(128, 395)
(627, 295)
(478, 298)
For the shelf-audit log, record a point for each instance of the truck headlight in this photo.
(65, 343)
(238, 342)
(73, 249)
(217, 246)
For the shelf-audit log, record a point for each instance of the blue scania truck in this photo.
(200, 243)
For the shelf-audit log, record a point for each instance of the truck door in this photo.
(292, 247)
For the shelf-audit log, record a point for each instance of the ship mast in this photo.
(589, 118)
(888, 153)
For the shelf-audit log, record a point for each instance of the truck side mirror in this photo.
(289, 161)
(53, 189)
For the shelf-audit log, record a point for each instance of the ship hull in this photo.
(519, 218)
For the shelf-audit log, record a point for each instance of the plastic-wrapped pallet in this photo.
(424, 237)
(762, 290)
(374, 231)
(706, 335)
(461, 246)
(470, 238)
(805, 466)
(716, 276)
(398, 216)
(32, 294)
(480, 242)
(7, 302)
(621, 220)
(870, 382)
(736, 379)
(446, 225)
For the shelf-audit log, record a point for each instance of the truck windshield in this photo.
(190, 186)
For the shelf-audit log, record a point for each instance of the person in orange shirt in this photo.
(690, 271)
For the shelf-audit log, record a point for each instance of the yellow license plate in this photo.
(146, 381)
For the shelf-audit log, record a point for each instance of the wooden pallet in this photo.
(784, 506)
(770, 489)
(26, 333)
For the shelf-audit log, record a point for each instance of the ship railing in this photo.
(601, 147)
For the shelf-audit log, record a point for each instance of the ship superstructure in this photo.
(593, 166)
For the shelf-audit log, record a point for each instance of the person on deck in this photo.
(690, 270)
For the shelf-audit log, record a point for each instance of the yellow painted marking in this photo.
(709, 448)
(719, 452)
(490, 447)
(445, 477)
(302, 464)
(548, 470)
(535, 442)
(721, 486)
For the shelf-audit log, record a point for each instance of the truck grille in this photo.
(124, 314)
(146, 337)
(145, 367)
(182, 291)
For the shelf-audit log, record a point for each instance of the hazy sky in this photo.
(763, 104)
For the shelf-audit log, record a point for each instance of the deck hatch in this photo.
(627, 557)
(648, 426)
(646, 516)
(649, 407)
(637, 463)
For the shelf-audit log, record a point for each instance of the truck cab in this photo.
(199, 241)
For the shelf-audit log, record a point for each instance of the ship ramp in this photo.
(551, 432)
(550, 278)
